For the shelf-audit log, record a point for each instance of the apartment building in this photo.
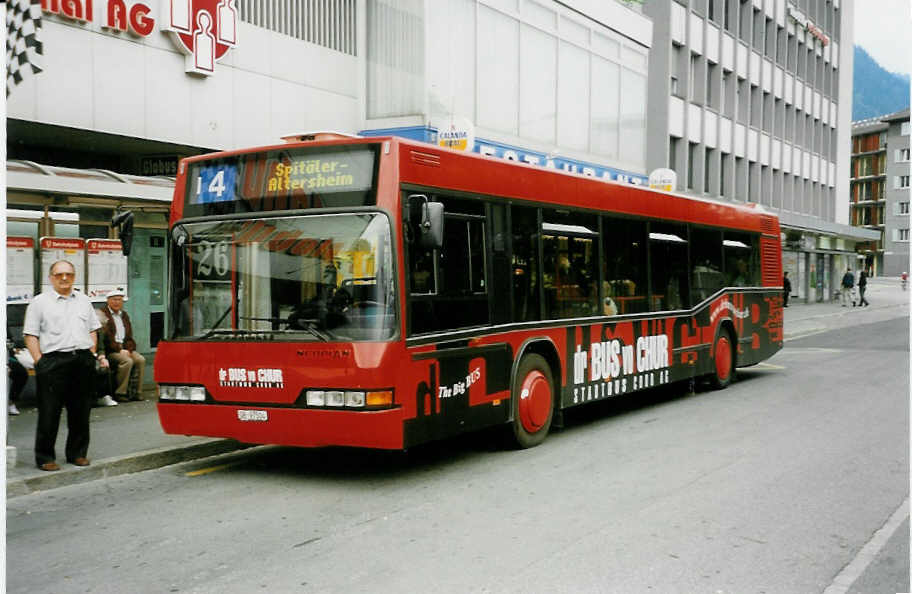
(750, 101)
(879, 190)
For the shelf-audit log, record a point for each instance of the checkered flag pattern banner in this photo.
(23, 40)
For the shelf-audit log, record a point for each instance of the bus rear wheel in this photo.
(533, 401)
(723, 360)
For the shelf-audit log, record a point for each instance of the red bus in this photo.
(381, 293)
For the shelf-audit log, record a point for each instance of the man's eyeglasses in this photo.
(63, 274)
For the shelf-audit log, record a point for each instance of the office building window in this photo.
(691, 164)
(711, 97)
(724, 174)
(707, 159)
(692, 84)
(901, 181)
(900, 235)
(673, 152)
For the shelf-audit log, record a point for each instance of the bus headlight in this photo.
(189, 393)
(316, 398)
(359, 399)
(354, 399)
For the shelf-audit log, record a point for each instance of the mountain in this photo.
(876, 92)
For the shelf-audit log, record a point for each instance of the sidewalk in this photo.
(127, 438)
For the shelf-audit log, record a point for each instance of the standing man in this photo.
(862, 285)
(121, 348)
(60, 333)
(848, 281)
(786, 288)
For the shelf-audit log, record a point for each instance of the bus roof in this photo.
(428, 165)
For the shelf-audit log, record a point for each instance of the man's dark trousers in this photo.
(64, 380)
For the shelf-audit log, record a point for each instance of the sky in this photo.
(882, 28)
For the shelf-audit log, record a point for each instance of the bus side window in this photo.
(448, 287)
(624, 263)
(668, 261)
(706, 263)
(741, 259)
(524, 264)
(570, 267)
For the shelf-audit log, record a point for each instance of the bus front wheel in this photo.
(723, 360)
(533, 401)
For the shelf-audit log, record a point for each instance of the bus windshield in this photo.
(316, 278)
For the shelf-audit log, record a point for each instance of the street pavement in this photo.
(128, 438)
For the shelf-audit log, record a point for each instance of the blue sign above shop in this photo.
(521, 155)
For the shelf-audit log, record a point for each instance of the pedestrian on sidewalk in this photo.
(103, 382)
(848, 283)
(61, 334)
(121, 348)
(786, 288)
(862, 285)
(18, 376)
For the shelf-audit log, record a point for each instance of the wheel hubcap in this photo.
(534, 401)
(723, 358)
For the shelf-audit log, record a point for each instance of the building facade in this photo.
(129, 87)
(879, 192)
(896, 208)
(750, 101)
(867, 190)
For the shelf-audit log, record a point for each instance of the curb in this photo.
(127, 464)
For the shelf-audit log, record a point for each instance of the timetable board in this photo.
(107, 268)
(71, 249)
(20, 269)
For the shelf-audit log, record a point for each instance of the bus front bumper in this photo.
(380, 429)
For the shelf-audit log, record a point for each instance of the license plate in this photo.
(253, 415)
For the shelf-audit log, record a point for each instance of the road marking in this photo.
(806, 334)
(813, 350)
(851, 572)
(203, 471)
(768, 366)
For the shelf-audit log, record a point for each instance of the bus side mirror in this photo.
(427, 221)
(123, 222)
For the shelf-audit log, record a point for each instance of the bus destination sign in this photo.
(277, 180)
(312, 174)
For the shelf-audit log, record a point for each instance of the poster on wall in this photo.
(20, 269)
(107, 268)
(71, 249)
